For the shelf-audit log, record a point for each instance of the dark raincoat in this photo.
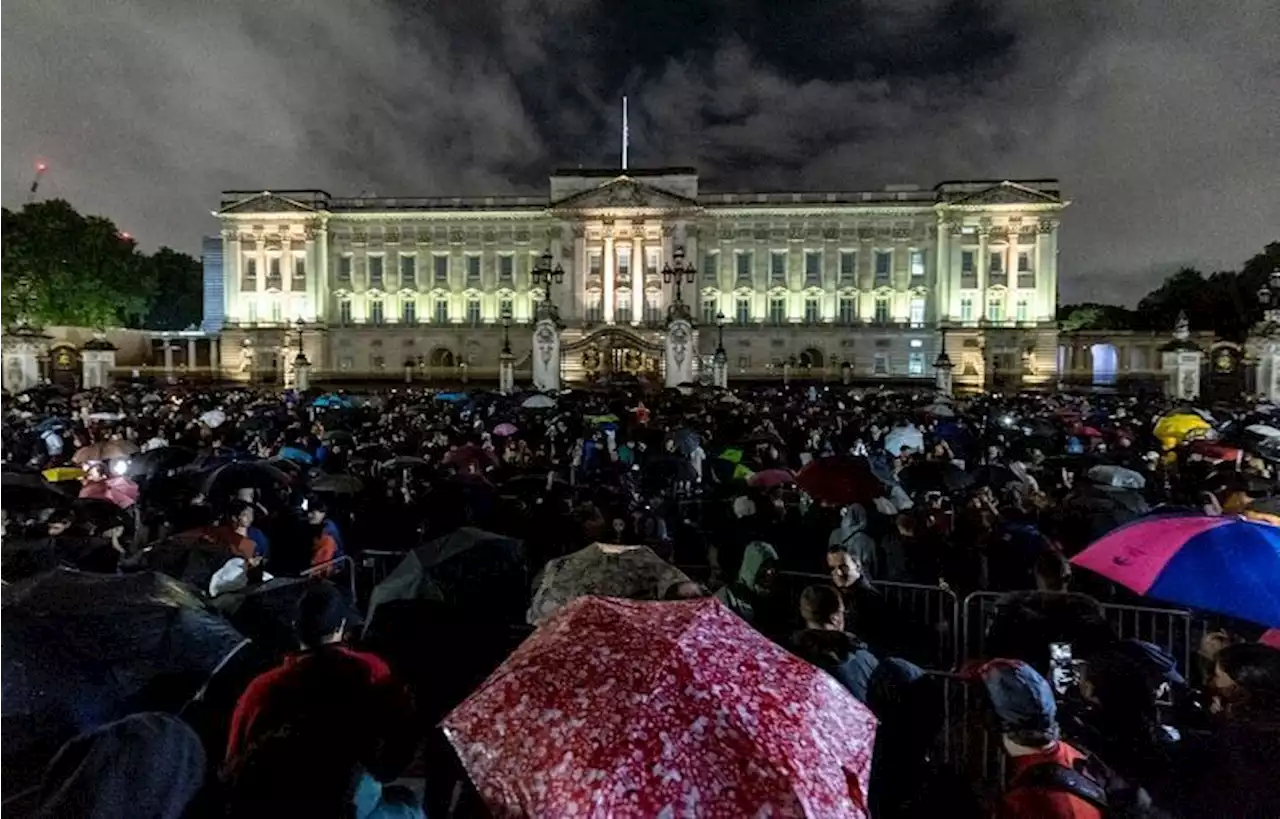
(840, 654)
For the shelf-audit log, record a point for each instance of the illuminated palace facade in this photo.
(859, 285)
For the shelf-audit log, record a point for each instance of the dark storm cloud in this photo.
(1158, 116)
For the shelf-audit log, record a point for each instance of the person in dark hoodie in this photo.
(824, 642)
(907, 781)
(146, 764)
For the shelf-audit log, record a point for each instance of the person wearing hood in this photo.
(147, 764)
(851, 536)
(824, 643)
(749, 592)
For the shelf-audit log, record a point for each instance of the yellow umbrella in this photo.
(1172, 429)
(63, 473)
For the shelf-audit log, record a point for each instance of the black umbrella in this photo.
(994, 475)
(469, 570)
(84, 649)
(100, 515)
(159, 461)
(337, 484)
(22, 492)
(225, 480)
(190, 557)
(266, 612)
(934, 476)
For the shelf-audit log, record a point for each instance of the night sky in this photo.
(1160, 117)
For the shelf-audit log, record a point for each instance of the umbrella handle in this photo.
(204, 689)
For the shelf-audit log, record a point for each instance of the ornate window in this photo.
(506, 270)
(299, 281)
(848, 310)
(273, 273)
(744, 267)
(249, 275)
(441, 275)
(917, 263)
(812, 310)
(881, 315)
(742, 310)
(915, 364)
(777, 310)
(711, 267)
(375, 273)
(813, 268)
(710, 302)
(473, 270)
(778, 268)
(442, 311)
(376, 311)
(408, 271)
(409, 311)
(884, 266)
(344, 272)
(344, 311)
(915, 312)
(848, 268)
(473, 311)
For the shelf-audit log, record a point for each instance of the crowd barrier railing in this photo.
(1177, 631)
(333, 567)
(932, 608)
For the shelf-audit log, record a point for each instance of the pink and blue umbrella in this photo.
(1227, 565)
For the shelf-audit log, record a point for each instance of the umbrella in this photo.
(468, 571)
(900, 438)
(118, 489)
(840, 481)
(630, 709)
(106, 416)
(995, 476)
(1171, 429)
(1117, 477)
(934, 476)
(244, 475)
(159, 461)
(83, 649)
(451, 397)
(504, 429)
(405, 462)
(686, 440)
(337, 484)
(61, 474)
(1226, 565)
(213, 418)
(340, 436)
(193, 557)
(1214, 450)
(939, 410)
(769, 478)
(471, 456)
(1263, 430)
(635, 572)
(538, 402)
(265, 612)
(104, 450)
(295, 454)
(25, 492)
(331, 401)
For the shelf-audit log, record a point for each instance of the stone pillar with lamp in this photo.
(679, 347)
(547, 327)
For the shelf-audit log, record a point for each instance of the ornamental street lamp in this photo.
(506, 332)
(719, 333)
(1269, 298)
(544, 274)
(300, 325)
(678, 272)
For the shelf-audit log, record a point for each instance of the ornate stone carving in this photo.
(902, 232)
(457, 236)
(668, 229)
(359, 237)
(522, 234)
(795, 232)
(391, 236)
(830, 233)
(1047, 225)
(489, 236)
(984, 225)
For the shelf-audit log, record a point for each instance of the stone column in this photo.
(984, 267)
(942, 275)
(579, 276)
(1181, 360)
(191, 354)
(546, 353)
(215, 356)
(1037, 268)
(231, 260)
(301, 373)
(1049, 294)
(506, 372)
(23, 349)
(637, 276)
(679, 350)
(609, 263)
(408, 371)
(720, 369)
(320, 293)
(168, 358)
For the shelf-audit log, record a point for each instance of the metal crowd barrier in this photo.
(932, 608)
(1177, 631)
(336, 566)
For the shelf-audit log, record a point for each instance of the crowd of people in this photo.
(384, 552)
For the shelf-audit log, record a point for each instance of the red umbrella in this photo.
(769, 478)
(625, 708)
(471, 457)
(841, 481)
(1088, 432)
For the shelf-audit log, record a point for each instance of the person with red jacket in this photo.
(1023, 703)
(330, 690)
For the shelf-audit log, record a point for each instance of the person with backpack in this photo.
(1048, 778)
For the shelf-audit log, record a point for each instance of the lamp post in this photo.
(506, 359)
(544, 274)
(1269, 299)
(301, 366)
(1265, 341)
(678, 272)
(942, 367)
(720, 361)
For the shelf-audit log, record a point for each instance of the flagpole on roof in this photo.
(626, 133)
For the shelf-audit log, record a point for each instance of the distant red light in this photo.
(124, 235)
(41, 167)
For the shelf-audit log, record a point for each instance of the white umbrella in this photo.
(213, 418)
(940, 411)
(538, 402)
(907, 437)
(1265, 430)
(1116, 477)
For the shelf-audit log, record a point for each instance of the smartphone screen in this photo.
(1061, 667)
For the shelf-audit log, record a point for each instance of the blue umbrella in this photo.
(331, 401)
(451, 397)
(298, 456)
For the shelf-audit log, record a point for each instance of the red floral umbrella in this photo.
(841, 481)
(624, 708)
(119, 490)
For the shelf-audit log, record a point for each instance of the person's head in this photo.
(685, 590)
(1021, 701)
(906, 525)
(59, 522)
(240, 514)
(845, 568)
(317, 510)
(322, 616)
(1246, 682)
(1052, 571)
(821, 607)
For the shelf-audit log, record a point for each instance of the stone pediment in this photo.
(624, 192)
(1008, 193)
(266, 202)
